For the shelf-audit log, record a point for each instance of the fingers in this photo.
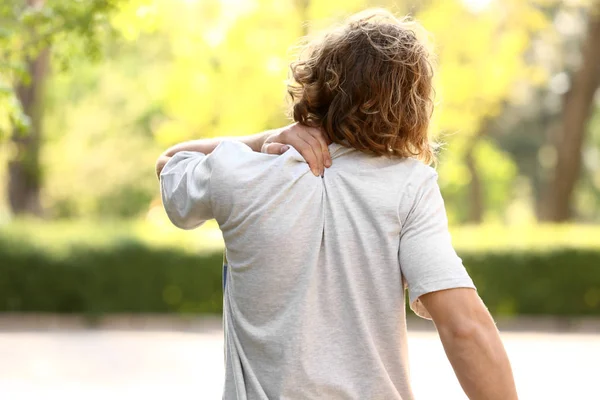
(310, 149)
(320, 137)
(297, 135)
(275, 148)
(304, 148)
(311, 143)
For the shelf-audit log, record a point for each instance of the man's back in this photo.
(314, 301)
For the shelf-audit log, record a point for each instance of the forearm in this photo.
(479, 359)
(207, 146)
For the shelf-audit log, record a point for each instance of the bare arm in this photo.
(206, 146)
(472, 344)
(310, 142)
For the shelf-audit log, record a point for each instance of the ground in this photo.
(74, 363)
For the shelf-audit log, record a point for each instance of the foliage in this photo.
(173, 70)
(106, 138)
(557, 282)
(74, 27)
(496, 170)
(125, 275)
(105, 267)
(127, 278)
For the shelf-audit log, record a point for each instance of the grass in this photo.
(96, 267)
(60, 236)
(538, 237)
(157, 231)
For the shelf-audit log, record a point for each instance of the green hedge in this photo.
(132, 277)
(128, 277)
(564, 282)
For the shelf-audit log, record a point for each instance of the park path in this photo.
(162, 364)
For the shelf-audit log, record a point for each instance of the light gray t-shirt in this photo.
(314, 306)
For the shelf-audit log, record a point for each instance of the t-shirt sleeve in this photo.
(185, 185)
(427, 259)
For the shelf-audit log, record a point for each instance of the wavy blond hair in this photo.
(368, 85)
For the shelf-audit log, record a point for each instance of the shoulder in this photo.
(231, 154)
(416, 173)
(234, 163)
(420, 180)
(231, 149)
(424, 175)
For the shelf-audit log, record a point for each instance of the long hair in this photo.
(368, 85)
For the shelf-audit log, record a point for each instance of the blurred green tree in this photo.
(481, 48)
(577, 108)
(531, 126)
(29, 29)
(189, 69)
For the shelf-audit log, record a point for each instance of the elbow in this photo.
(160, 164)
(179, 213)
(469, 326)
(454, 329)
(463, 331)
(185, 225)
(182, 221)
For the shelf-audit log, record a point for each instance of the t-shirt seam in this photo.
(405, 190)
(210, 166)
(413, 201)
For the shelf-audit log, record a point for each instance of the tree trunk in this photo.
(24, 172)
(577, 107)
(475, 194)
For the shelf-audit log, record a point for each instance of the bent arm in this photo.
(472, 343)
(310, 142)
(207, 146)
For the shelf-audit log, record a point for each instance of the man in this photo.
(314, 305)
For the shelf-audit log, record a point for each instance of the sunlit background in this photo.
(101, 297)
